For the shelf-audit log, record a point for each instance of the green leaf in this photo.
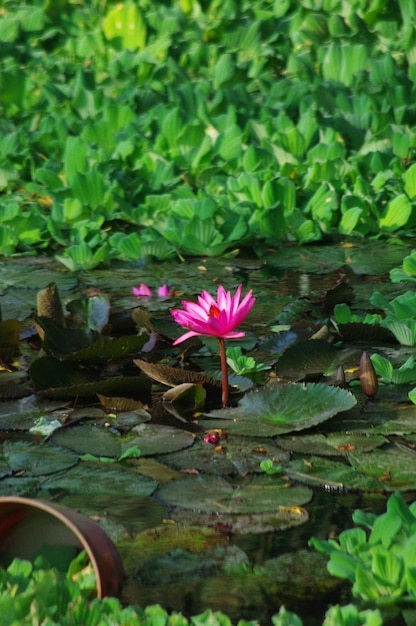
(397, 214)
(125, 21)
(215, 495)
(276, 410)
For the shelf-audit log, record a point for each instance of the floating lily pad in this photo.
(219, 496)
(331, 475)
(393, 467)
(100, 441)
(53, 378)
(282, 410)
(384, 256)
(234, 455)
(93, 479)
(20, 486)
(282, 518)
(332, 444)
(319, 259)
(37, 459)
(307, 358)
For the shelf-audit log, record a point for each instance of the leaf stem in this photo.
(224, 372)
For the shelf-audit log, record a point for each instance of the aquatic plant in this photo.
(215, 318)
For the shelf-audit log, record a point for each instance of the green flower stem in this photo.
(224, 372)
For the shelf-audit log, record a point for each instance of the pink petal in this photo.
(163, 291)
(142, 291)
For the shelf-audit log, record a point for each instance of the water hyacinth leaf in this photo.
(409, 179)
(215, 495)
(37, 459)
(126, 22)
(280, 410)
(396, 214)
(93, 479)
(100, 441)
(331, 475)
(89, 188)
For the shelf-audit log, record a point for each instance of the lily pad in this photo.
(93, 479)
(319, 259)
(234, 455)
(100, 441)
(332, 444)
(307, 358)
(393, 467)
(330, 475)
(37, 459)
(279, 410)
(53, 378)
(282, 518)
(219, 496)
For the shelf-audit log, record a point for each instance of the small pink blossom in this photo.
(213, 439)
(163, 291)
(143, 291)
(214, 318)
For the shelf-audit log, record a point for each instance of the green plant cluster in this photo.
(380, 565)
(197, 126)
(36, 594)
(379, 562)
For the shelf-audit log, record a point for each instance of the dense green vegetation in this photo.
(378, 563)
(186, 127)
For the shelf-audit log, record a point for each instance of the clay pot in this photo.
(31, 527)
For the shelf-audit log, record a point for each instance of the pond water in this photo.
(210, 542)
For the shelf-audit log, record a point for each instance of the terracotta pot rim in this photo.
(75, 521)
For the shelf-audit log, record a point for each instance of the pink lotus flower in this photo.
(214, 318)
(144, 291)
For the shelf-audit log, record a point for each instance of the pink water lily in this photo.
(144, 291)
(215, 318)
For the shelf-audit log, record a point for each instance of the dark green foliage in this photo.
(207, 127)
